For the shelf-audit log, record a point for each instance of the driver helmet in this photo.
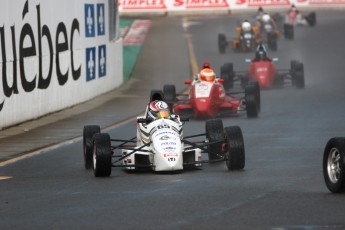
(158, 109)
(207, 74)
(246, 26)
(266, 17)
(261, 54)
(293, 8)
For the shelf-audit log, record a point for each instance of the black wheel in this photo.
(299, 76)
(311, 19)
(258, 92)
(251, 101)
(235, 156)
(214, 132)
(88, 132)
(293, 65)
(227, 73)
(293, 71)
(222, 43)
(156, 95)
(272, 42)
(289, 31)
(279, 81)
(333, 164)
(244, 81)
(102, 155)
(169, 92)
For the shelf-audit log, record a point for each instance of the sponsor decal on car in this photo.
(168, 143)
(170, 154)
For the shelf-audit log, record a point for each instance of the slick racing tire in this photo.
(214, 132)
(258, 92)
(299, 76)
(156, 95)
(227, 73)
(235, 155)
(222, 43)
(272, 42)
(311, 19)
(88, 132)
(169, 92)
(251, 101)
(333, 164)
(289, 31)
(102, 155)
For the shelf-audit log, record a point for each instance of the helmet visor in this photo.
(163, 114)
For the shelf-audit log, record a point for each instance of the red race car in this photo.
(263, 70)
(207, 99)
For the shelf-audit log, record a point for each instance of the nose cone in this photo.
(203, 107)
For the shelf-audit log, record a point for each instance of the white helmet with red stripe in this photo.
(158, 109)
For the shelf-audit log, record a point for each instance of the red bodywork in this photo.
(207, 100)
(262, 71)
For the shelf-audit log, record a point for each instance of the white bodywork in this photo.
(166, 150)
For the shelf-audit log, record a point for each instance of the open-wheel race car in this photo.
(264, 71)
(334, 164)
(160, 146)
(209, 99)
(246, 41)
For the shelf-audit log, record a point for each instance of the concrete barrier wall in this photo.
(55, 54)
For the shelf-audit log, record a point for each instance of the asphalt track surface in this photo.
(281, 186)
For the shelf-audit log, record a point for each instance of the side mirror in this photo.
(141, 120)
(220, 80)
(188, 82)
(183, 119)
(247, 60)
(275, 59)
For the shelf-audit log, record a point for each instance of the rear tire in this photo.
(227, 73)
(235, 156)
(102, 155)
(333, 165)
(299, 76)
(272, 42)
(156, 95)
(214, 132)
(289, 31)
(222, 43)
(169, 92)
(311, 19)
(88, 132)
(251, 100)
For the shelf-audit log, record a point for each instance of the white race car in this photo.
(160, 145)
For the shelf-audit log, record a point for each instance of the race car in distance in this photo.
(263, 70)
(160, 145)
(246, 40)
(333, 164)
(292, 18)
(207, 98)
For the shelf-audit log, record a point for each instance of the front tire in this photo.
(289, 31)
(169, 92)
(88, 132)
(251, 100)
(222, 43)
(102, 155)
(299, 76)
(235, 156)
(333, 164)
(227, 73)
(214, 132)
